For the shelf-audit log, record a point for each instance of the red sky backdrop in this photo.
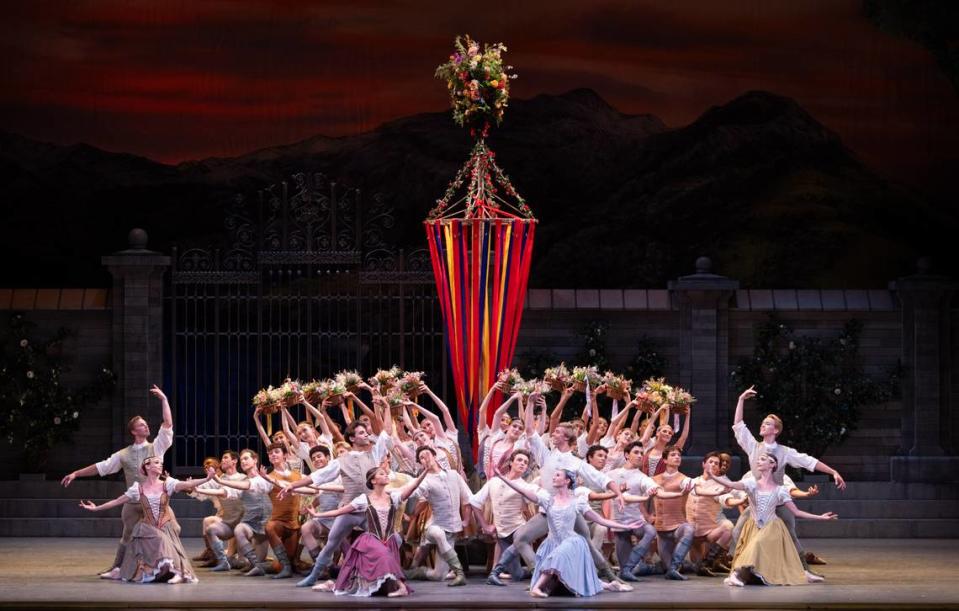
(178, 80)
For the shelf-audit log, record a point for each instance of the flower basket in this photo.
(557, 377)
(289, 393)
(581, 375)
(528, 387)
(680, 401)
(313, 392)
(410, 384)
(335, 392)
(511, 379)
(395, 399)
(645, 403)
(350, 380)
(267, 400)
(617, 387)
(384, 379)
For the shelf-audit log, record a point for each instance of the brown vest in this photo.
(286, 511)
(670, 513)
(165, 515)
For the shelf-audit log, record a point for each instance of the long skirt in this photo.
(369, 565)
(571, 562)
(768, 554)
(156, 555)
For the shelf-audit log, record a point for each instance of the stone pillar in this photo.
(137, 332)
(926, 419)
(703, 300)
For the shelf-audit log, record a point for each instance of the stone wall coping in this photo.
(755, 300)
(55, 299)
(752, 300)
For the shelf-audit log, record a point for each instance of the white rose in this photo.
(30, 375)
(23, 343)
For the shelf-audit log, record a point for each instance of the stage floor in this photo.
(866, 574)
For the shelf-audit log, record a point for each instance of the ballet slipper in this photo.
(326, 586)
(814, 578)
(111, 574)
(175, 580)
(537, 593)
(402, 591)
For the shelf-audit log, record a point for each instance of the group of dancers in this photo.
(382, 498)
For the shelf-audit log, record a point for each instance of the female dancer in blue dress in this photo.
(564, 557)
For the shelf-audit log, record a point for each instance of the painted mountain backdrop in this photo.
(758, 184)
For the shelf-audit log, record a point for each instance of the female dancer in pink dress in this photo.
(372, 563)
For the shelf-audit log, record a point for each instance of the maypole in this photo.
(480, 234)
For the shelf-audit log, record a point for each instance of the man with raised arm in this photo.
(129, 460)
(769, 430)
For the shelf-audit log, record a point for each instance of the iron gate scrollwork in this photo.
(304, 283)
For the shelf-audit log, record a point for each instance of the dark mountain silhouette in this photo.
(758, 184)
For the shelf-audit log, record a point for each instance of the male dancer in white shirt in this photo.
(769, 430)
(129, 460)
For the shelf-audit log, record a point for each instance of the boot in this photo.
(607, 574)
(221, 563)
(236, 562)
(459, 576)
(286, 568)
(318, 570)
(256, 568)
(708, 564)
(812, 558)
(504, 560)
(635, 563)
(682, 548)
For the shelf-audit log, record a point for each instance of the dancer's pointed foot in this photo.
(113, 573)
(814, 578)
(536, 592)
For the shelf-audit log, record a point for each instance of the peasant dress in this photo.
(156, 553)
(372, 563)
(765, 551)
(564, 553)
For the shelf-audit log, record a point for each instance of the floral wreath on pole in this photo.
(478, 84)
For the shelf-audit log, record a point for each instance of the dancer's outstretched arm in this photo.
(799, 513)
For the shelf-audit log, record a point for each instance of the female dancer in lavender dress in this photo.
(372, 563)
(564, 557)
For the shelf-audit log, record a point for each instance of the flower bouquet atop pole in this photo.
(480, 233)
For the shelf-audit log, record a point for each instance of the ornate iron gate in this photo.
(304, 284)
